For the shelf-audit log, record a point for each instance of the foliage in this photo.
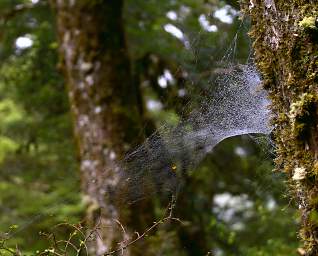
(39, 185)
(231, 205)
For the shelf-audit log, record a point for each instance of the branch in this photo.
(168, 217)
(18, 9)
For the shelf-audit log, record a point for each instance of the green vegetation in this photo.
(232, 204)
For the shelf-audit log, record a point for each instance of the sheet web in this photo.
(235, 104)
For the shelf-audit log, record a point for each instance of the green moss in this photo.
(315, 168)
(303, 114)
(286, 55)
(308, 23)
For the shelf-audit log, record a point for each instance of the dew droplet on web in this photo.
(234, 105)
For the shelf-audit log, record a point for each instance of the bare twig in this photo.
(77, 240)
(167, 217)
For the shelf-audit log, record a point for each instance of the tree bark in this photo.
(104, 103)
(285, 37)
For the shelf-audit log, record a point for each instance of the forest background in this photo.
(232, 204)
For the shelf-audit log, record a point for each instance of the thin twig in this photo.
(163, 220)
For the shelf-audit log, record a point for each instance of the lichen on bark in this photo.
(105, 108)
(286, 53)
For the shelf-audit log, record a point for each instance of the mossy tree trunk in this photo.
(285, 37)
(104, 103)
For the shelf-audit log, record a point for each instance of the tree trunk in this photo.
(285, 37)
(104, 103)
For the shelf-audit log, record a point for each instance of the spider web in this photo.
(235, 104)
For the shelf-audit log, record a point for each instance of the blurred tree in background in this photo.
(106, 106)
(232, 204)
